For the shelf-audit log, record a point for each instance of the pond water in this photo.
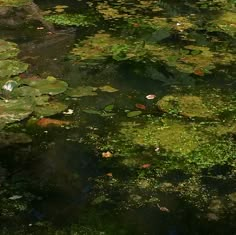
(123, 121)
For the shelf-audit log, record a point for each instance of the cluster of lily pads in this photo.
(145, 36)
(22, 97)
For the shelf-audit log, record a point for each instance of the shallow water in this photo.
(64, 184)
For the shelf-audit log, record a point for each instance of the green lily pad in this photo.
(134, 113)
(82, 91)
(41, 100)
(10, 68)
(26, 91)
(49, 109)
(51, 85)
(109, 108)
(14, 110)
(108, 88)
(8, 50)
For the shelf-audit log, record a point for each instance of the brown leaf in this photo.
(140, 106)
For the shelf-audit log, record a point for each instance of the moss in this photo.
(170, 135)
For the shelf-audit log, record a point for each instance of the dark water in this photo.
(58, 175)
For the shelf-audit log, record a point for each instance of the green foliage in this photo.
(66, 19)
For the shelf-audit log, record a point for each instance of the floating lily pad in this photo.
(11, 138)
(10, 68)
(14, 110)
(109, 108)
(108, 88)
(51, 85)
(134, 113)
(26, 91)
(8, 50)
(49, 109)
(82, 91)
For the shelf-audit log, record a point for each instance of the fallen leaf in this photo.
(147, 165)
(108, 88)
(44, 122)
(140, 106)
(134, 113)
(199, 72)
(151, 97)
(107, 154)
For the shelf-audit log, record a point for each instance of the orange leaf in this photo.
(140, 106)
(44, 122)
(199, 72)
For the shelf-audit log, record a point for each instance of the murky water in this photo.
(98, 176)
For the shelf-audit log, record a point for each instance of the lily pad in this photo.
(49, 109)
(82, 91)
(26, 91)
(51, 85)
(134, 113)
(108, 88)
(10, 68)
(14, 110)
(8, 50)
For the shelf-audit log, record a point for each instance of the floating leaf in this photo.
(50, 108)
(140, 106)
(134, 113)
(14, 110)
(82, 91)
(8, 50)
(51, 85)
(26, 91)
(108, 88)
(10, 68)
(109, 108)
